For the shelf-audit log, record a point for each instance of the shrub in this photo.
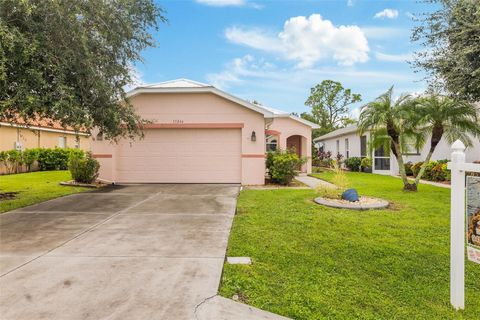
(408, 168)
(83, 169)
(57, 158)
(416, 168)
(438, 172)
(283, 165)
(323, 159)
(3, 158)
(353, 163)
(366, 163)
(13, 159)
(30, 156)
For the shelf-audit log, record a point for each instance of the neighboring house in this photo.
(348, 143)
(40, 134)
(200, 134)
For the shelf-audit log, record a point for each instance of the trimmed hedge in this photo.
(47, 159)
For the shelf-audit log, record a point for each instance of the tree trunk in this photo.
(407, 186)
(396, 150)
(437, 134)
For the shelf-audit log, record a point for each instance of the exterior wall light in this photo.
(254, 136)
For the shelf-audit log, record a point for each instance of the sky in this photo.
(275, 51)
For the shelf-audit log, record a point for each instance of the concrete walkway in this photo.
(313, 182)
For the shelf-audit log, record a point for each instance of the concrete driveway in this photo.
(127, 252)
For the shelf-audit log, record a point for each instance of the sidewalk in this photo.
(436, 184)
(313, 182)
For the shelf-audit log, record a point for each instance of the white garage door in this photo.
(181, 156)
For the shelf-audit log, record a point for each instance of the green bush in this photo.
(12, 160)
(434, 171)
(408, 168)
(30, 156)
(366, 163)
(416, 168)
(283, 166)
(353, 163)
(83, 169)
(57, 158)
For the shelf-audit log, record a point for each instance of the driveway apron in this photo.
(124, 252)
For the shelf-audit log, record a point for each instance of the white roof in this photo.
(337, 133)
(190, 86)
(178, 83)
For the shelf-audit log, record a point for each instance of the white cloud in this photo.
(387, 13)
(393, 57)
(307, 40)
(240, 68)
(222, 3)
(350, 3)
(288, 88)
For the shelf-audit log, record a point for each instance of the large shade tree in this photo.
(451, 55)
(329, 102)
(436, 117)
(69, 61)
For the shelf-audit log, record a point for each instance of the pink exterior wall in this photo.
(290, 127)
(195, 109)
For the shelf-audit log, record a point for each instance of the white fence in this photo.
(458, 167)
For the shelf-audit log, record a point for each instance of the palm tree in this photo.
(443, 117)
(385, 118)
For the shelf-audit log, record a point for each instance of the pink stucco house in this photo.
(200, 134)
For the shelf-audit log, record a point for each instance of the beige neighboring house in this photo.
(200, 134)
(41, 134)
(349, 143)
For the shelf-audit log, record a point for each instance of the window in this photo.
(382, 160)
(271, 143)
(347, 151)
(62, 142)
(338, 147)
(363, 146)
(410, 148)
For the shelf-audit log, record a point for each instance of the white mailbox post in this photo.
(458, 167)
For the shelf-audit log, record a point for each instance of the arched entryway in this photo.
(299, 144)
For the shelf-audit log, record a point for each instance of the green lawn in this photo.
(34, 187)
(314, 262)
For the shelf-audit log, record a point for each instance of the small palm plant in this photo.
(386, 119)
(442, 117)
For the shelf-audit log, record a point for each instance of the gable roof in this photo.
(190, 86)
(282, 114)
(337, 133)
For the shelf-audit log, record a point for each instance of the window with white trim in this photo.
(271, 143)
